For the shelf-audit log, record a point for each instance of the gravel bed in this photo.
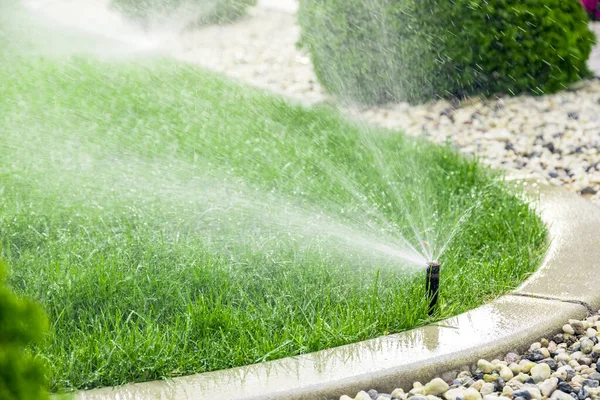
(564, 367)
(554, 137)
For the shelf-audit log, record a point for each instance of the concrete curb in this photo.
(538, 308)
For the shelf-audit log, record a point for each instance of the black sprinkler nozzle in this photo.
(433, 284)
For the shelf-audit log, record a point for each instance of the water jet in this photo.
(433, 284)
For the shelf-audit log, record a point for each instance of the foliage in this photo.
(413, 50)
(22, 323)
(192, 12)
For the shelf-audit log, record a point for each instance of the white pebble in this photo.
(362, 395)
(515, 368)
(548, 386)
(526, 365)
(485, 366)
(452, 394)
(471, 394)
(436, 387)
(534, 391)
(542, 371)
(506, 373)
(567, 328)
(487, 388)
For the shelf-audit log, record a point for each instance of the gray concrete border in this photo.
(537, 308)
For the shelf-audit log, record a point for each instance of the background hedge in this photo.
(22, 323)
(376, 51)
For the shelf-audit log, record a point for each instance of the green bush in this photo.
(415, 50)
(22, 323)
(193, 12)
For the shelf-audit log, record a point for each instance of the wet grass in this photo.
(157, 212)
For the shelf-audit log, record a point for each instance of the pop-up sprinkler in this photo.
(433, 284)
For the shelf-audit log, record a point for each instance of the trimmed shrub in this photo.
(413, 50)
(22, 323)
(193, 12)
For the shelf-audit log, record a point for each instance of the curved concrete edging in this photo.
(563, 287)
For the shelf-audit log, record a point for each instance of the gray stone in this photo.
(512, 358)
(590, 383)
(522, 393)
(586, 346)
(595, 376)
(560, 395)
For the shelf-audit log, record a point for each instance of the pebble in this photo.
(595, 376)
(398, 393)
(436, 387)
(506, 373)
(512, 358)
(471, 394)
(490, 377)
(586, 346)
(362, 395)
(541, 371)
(453, 394)
(590, 383)
(487, 388)
(548, 386)
(554, 378)
(485, 366)
(560, 395)
(526, 365)
(567, 328)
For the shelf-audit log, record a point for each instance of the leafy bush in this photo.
(413, 50)
(22, 377)
(192, 12)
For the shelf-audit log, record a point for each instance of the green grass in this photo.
(173, 222)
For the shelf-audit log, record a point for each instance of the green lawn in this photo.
(173, 222)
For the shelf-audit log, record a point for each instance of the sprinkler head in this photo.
(433, 284)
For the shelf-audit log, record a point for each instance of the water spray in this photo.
(433, 284)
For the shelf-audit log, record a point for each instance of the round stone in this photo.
(560, 395)
(436, 387)
(506, 373)
(548, 386)
(471, 394)
(586, 346)
(485, 366)
(511, 358)
(362, 395)
(567, 328)
(453, 394)
(487, 388)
